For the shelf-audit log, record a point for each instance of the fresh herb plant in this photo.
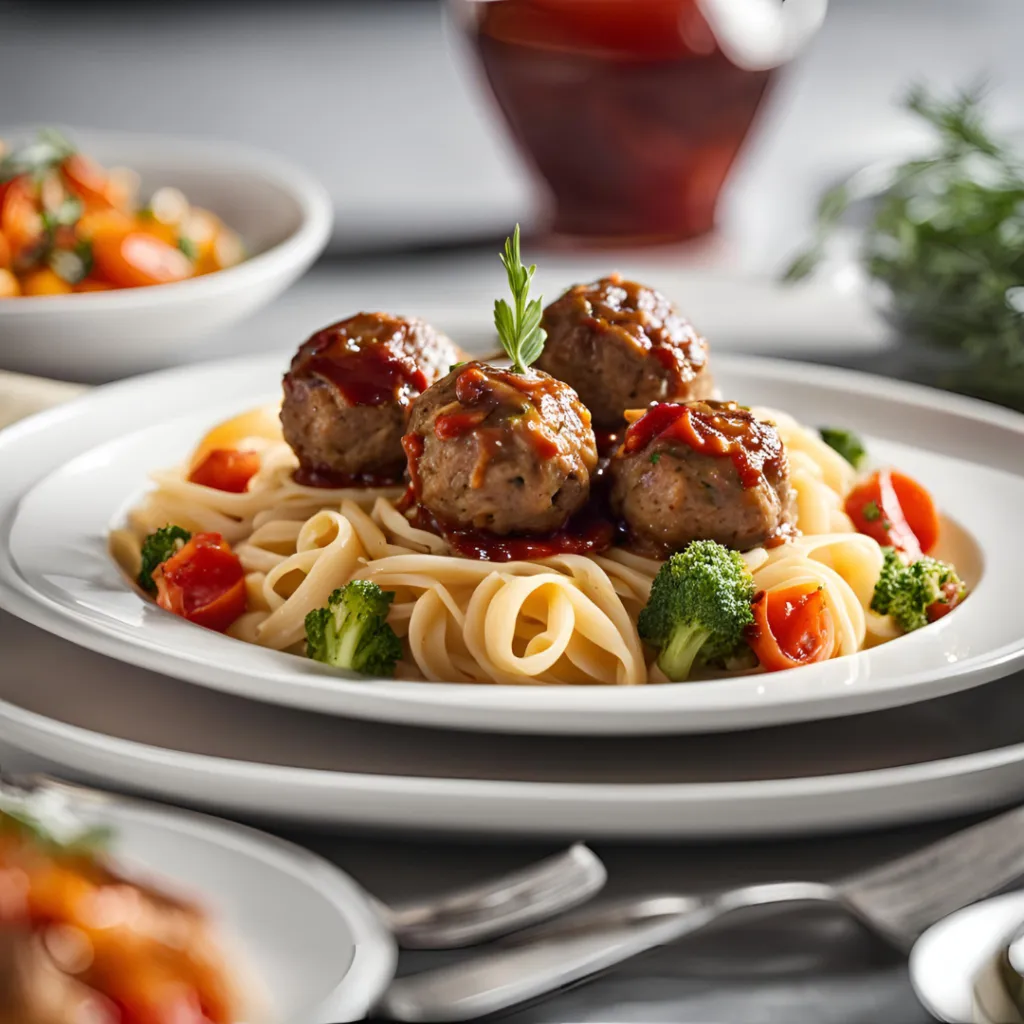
(947, 241)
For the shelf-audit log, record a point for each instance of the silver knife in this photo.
(897, 901)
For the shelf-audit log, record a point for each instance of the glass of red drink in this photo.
(633, 111)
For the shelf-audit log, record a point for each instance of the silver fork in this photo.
(896, 901)
(477, 913)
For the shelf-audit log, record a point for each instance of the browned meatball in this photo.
(702, 471)
(623, 346)
(348, 392)
(499, 451)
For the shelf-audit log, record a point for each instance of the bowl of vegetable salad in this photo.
(119, 253)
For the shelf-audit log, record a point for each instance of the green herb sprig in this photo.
(519, 329)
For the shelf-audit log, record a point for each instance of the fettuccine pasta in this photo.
(567, 619)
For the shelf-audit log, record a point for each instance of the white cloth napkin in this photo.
(22, 396)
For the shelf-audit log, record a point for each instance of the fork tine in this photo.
(904, 897)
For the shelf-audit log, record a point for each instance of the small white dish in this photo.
(283, 215)
(945, 961)
(53, 554)
(307, 934)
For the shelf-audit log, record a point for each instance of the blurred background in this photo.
(437, 125)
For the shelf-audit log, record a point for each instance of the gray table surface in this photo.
(801, 968)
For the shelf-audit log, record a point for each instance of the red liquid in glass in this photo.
(628, 109)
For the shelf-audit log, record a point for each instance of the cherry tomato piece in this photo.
(87, 180)
(20, 219)
(896, 510)
(137, 260)
(792, 627)
(203, 582)
(226, 469)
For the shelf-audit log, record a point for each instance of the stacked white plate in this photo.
(106, 687)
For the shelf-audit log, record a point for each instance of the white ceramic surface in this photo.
(55, 570)
(95, 718)
(283, 215)
(947, 958)
(302, 929)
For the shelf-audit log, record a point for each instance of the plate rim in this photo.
(23, 728)
(425, 707)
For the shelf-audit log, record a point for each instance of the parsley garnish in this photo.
(48, 149)
(64, 215)
(519, 329)
(656, 457)
(189, 248)
(156, 549)
(871, 512)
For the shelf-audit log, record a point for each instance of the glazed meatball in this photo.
(623, 346)
(702, 471)
(499, 451)
(348, 392)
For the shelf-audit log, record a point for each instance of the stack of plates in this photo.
(107, 688)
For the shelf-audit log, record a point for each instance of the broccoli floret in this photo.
(352, 631)
(847, 443)
(156, 549)
(698, 609)
(909, 592)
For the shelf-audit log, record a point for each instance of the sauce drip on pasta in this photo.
(588, 533)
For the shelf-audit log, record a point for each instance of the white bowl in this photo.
(283, 215)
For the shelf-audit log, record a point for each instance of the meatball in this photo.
(623, 346)
(499, 451)
(348, 392)
(702, 471)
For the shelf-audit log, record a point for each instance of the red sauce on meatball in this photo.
(481, 393)
(365, 359)
(718, 429)
(413, 445)
(640, 315)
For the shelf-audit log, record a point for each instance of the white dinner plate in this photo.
(945, 961)
(300, 928)
(55, 569)
(120, 726)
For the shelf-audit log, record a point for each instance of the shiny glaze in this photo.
(588, 533)
(639, 315)
(368, 358)
(716, 429)
(608, 442)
